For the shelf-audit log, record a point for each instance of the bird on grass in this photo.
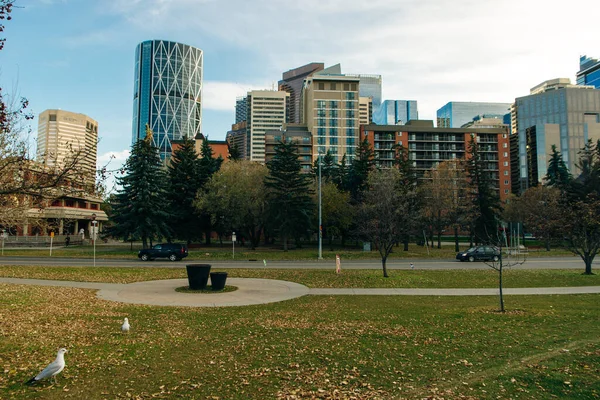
(125, 326)
(53, 369)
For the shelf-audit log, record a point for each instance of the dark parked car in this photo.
(479, 253)
(172, 251)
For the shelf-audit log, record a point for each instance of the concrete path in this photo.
(261, 291)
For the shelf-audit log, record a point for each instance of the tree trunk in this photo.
(548, 243)
(588, 259)
(500, 287)
(456, 248)
(383, 261)
(439, 237)
(285, 244)
(406, 239)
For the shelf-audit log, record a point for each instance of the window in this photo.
(333, 141)
(505, 145)
(333, 104)
(505, 154)
(350, 96)
(346, 86)
(332, 86)
(52, 117)
(321, 85)
(350, 141)
(321, 140)
(506, 182)
(505, 173)
(333, 132)
(506, 163)
(320, 103)
(505, 191)
(353, 87)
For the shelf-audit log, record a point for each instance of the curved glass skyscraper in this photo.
(167, 93)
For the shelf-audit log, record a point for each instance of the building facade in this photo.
(331, 110)
(365, 110)
(457, 113)
(589, 72)
(267, 111)
(291, 133)
(241, 109)
(428, 146)
(237, 137)
(396, 112)
(167, 93)
(563, 115)
(292, 82)
(369, 86)
(63, 135)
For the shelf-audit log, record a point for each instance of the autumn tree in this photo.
(382, 217)
(337, 211)
(25, 183)
(237, 194)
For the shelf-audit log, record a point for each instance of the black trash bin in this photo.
(198, 275)
(217, 280)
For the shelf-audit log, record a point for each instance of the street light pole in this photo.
(320, 215)
(94, 223)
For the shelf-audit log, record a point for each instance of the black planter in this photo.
(217, 280)
(198, 275)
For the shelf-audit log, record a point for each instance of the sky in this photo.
(78, 55)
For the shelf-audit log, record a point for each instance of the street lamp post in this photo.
(94, 224)
(320, 215)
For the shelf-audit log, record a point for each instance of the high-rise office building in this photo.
(167, 93)
(396, 112)
(457, 113)
(241, 109)
(63, 135)
(292, 82)
(365, 110)
(589, 72)
(267, 111)
(291, 133)
(369, 86)
(331, 112)
(562, 115)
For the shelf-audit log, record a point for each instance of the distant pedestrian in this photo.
(67, 240)
(412, 266)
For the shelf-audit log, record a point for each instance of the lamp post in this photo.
(233, 239)
(320, 215)
(94, 224)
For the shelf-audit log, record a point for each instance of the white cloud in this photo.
(221, 95)
(432, 51)
(113, 159)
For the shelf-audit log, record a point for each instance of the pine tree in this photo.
(234, 153)
(184, 183)
(289, 200)
(341, 176)
(558, 174)
(139, 210)
(208, 165)
(361, 165)
(328, 167)
(485, 198)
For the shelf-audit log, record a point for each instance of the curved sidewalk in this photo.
(261, 291)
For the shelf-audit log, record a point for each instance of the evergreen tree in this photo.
(558, 174)
(208, 165)
(328, 167)
(289, 201)
(139, 210)
(341, 176)
(184, 183)
(485, 198)
(362, 164)
(407, 185)
(234, 153)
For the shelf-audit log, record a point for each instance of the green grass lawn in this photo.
(225, 253)
(350, 278)
(338, 347)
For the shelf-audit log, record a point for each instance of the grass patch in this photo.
(208, 290)
(364, 347)
(515, 278)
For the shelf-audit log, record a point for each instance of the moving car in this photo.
(480, 253)
(172, 251)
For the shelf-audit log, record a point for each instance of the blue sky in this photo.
(78, 55)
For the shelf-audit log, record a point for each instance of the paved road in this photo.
(570, 262)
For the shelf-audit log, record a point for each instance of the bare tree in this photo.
(382, 216)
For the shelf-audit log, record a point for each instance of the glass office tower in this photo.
(167, 92)
(396, 112)
(457, 113)
(589, 72)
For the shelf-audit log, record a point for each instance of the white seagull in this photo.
(125, 326)
(53, 369)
